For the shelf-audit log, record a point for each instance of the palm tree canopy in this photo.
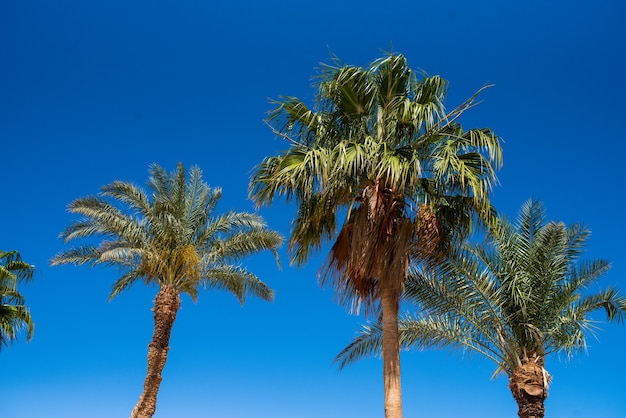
(169, 235)
(526, 291)
(378, 148)
(14, 314)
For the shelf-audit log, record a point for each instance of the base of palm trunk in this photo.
(528, 385)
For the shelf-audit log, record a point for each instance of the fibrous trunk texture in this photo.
(391, 354)
(166, 306)
(529, 385)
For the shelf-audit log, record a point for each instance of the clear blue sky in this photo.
(95, 91)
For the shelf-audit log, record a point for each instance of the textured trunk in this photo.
(391, 353)
(529, 385)
(166, 306)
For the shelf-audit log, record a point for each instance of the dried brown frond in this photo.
(371, 250)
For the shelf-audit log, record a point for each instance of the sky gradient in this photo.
(96, 91)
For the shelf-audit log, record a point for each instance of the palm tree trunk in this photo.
(528, 383)
(391, 353)
(166, 306)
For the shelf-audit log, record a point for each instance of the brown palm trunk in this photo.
(528, 383)
(391, 353)
(166, 306)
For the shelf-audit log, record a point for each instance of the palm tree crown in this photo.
(14, 314)
(379, 150)
(514, 301)
(170, 238)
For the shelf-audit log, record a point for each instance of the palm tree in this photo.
(379, 150)
(14, 314)
(170, 238)
(514, 301)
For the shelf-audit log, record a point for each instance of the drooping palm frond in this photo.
(237, 281)
(99, 217)
(13, 267)
(14, 318)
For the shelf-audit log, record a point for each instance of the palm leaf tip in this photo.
(368, 342)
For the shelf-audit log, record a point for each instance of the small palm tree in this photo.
(380, 151)
(170, 238)
(515, 301)
(14, 314)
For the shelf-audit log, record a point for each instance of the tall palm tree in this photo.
(379, 150)
(514, 301)
(170, 238)
(14, 314)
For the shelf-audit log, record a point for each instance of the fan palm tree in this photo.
(514, 301)
(14, 314)
(380, 151)
(170, 238)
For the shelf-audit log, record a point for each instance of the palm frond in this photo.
(12, 266)
(128, 194)
(422, 332)
(369, 342)
(123, 283)
(236, 280)
(244, 243)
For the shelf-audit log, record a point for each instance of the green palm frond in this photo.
(13, 320)
(14, 268)
(128, 194)
(10, 295)
(608, 300)
(237, 281)
(84, 254)
(292, 117)
(447, 292)
(123, 283)
(102, 218)
(315, 224)
(350, 92)
(298, 173)
(234, 221)
(246, 243)
(423, 332)
(369, 342)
